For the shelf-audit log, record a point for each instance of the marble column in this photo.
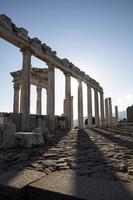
(106, 112)
(67, 101)
(25, 82)
(80, 105)
(102, 109)
(16, 98)
(89, 105)
(116, 114)
(71, 112)
(110, 112)
(39, 100)
(96, 107)
(51, 90)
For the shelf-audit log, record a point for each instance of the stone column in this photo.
(102, 109)
(25, 90)
(16, 98)
(96, 107)
(51, 96)
(110, 112)
(25, 82)
(67, 102)
(71, 112)
(39, 100)
(89, 105)
(106, 112)
(80, 105)
(116, 114)
(51, 90)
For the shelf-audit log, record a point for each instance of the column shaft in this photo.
(39, 100)
(106, 112)
(96, 107)
(110, 112)
(89, 105)
(51, 90)
(25, 83)
(16, 98)
(102, 109)
(68, 100)
(80, 105)
(116, 114)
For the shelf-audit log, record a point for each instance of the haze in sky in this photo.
(95, 35)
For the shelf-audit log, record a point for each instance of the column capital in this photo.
(67, 73)
(26, 51)
(38, 87)
(79, 80)
(50, 65)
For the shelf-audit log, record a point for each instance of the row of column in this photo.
(68, 102)
(89, 106)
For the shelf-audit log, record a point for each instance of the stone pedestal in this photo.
(102, 109)
(39, 102)
(25, 82)
(80, 105)
(89, 105)
(51, 90)
(16, 98)
(96, 107)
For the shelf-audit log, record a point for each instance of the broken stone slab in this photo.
(28, 139)
(67, 185)
(13, 183)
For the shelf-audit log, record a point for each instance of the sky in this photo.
(95, 35)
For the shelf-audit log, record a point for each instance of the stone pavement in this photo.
(104, 154)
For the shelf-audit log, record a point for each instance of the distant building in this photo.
(130, 114)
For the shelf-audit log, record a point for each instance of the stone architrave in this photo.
(25, 82)
(39, 100)
(102, 109)
(110, 112)
(96, 107)
(16, 98)
(80, 105)
(51, 90)
(106, 112)
(89, 105)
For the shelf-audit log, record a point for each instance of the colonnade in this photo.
(102, 117)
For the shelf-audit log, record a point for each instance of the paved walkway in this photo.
(102, 154)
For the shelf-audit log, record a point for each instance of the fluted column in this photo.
(96, 107)
(80, 105)
(68, 100)
(51, 90)
(89, 105)
(110, 112)
(25, 82)
(106, 112)
(102, 109)
(39, 100)
(16, 98)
